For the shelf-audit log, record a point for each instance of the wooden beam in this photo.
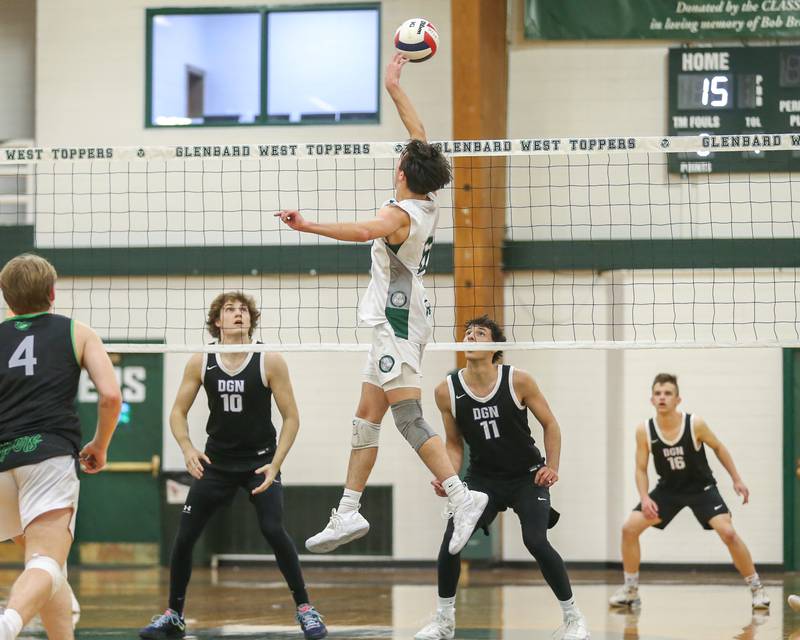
(480, 90)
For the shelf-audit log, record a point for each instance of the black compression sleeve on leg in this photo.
(534, 536)
(448, 566)
(205, 495)
(269, 507)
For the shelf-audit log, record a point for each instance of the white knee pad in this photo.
(50, 566)
(365, 434)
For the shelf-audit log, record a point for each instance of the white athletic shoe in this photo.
(794, 602)
(442, 627)
(760, 597)
(342, 528)
(626, 597)
(465, 517)
(574, 628)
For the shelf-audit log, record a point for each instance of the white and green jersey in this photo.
(395, 293)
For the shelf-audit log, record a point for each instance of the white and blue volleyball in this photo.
(416, 39)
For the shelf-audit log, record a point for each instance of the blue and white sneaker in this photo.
(169, 624)
(311, 622)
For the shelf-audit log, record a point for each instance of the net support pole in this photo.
(480, 90)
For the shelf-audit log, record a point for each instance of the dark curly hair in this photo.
(215, 310)
(425, 167)
(498, 335)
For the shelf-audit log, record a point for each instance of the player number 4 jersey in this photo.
(395, 293)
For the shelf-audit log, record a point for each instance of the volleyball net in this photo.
(600, 242)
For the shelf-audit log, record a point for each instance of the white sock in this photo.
(455, 490)
(11, 623)
(569, 606)
(351, 501)
(632, 579)
(753, 581)
(446, 605)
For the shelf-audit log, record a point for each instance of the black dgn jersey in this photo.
(240, 430)
(681, 467)
(39, 374)
(495, 427)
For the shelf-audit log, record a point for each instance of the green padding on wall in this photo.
(14, 240)
(604, 255)
(523, 255)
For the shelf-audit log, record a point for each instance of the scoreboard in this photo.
(734, 90)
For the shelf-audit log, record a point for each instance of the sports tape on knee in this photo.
(365, 434)
(409, 421)
(49, 565)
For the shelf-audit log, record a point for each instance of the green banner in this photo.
(661, 19)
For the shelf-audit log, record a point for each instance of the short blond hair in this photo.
(27, 282)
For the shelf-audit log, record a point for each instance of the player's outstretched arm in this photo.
(178, 417)
(454, 442)
(388, 220)
(93, 357)
(704, 434)
(532, 397)
(405, 109)
(281, 384)
(649, 507)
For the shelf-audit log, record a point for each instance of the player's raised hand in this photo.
(741, 490)
(194, 462)
(270, 472)
(292, 219)
(438, 488)
(393, 70)
(93, 457)
(649, 508)
(545, 477)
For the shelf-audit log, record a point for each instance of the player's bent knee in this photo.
(51, 567)
(728, 534)
(365, 434)
(410, 423)
(633, 528)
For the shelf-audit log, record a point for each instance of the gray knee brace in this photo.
(408, 418)
(365, 434)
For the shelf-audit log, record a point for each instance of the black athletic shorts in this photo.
(705, 505)
(520, 493)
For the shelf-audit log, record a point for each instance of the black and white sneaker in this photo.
(169, 624)
(311, 622)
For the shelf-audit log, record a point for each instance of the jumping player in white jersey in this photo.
(677, 441)
(41, 357)
(396, 307)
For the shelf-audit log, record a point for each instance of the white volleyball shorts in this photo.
(31, 490)
(392, 362)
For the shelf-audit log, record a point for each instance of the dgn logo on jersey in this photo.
(230, 386)
(481, 413)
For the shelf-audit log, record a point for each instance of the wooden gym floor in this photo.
(508, 604)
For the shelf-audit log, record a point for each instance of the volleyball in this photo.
(416, 39)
